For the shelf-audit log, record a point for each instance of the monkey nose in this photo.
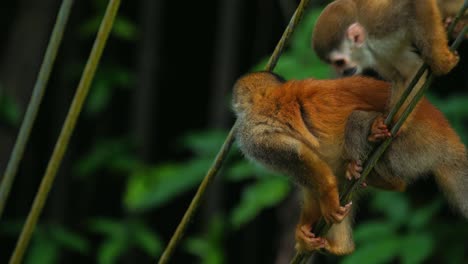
(349, 71)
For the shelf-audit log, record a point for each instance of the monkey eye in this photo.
(339, 62)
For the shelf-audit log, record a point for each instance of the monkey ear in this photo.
(357, 34)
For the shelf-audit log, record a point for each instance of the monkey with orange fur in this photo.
(426, 143)
(297, 128)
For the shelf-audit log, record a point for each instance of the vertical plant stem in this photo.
(35, 102)
(221, 156)
(67, 129)
(196, 201)
(286, 35)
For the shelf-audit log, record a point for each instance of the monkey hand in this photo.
(379, 131)
(307, 241)
(332, 211)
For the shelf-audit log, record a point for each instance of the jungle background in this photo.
(157, 113)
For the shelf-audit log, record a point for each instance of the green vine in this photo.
(36, 99)
(67, 129)
(221, 156)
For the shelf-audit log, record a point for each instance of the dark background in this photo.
(166, 72)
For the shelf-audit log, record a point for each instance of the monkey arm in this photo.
(358, 125)
(357, 146)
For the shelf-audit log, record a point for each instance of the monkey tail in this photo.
(454, 183)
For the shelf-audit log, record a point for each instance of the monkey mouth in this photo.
(372, 73)
(349, 71)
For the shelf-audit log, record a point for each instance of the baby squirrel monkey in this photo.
(388, 28)
(379, 35)
(297, 127)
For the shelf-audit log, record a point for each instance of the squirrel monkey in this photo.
(426, 144)
(297, 127)
(389, 32)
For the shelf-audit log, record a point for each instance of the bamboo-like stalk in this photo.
(35, 102)
(321, 227)
(221, 156)
(67, 129)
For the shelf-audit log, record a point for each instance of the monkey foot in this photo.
(336, 215)
(379, 131)
(307, 241)
(443, 61)
(354, 169)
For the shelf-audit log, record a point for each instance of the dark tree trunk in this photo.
(145, 95)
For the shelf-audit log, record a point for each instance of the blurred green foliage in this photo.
(48, 241)
(400, 231)
(10, 112)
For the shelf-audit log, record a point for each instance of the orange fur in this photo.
(298, 128)
(301, 128)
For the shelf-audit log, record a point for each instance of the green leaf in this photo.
(380, 251)
(10, 111)
(369, 231)
(415, 248)
(239, 171)
(108, 78)
(111, 249)
(99, 97)
(299, 61)
(208, 247)
(204, 143)
(421, 217)
(147, 240)
(43, 250)
(124, 29)
(151, 188)
(107, 227)
(107, 154)
(302, 38)
(11, 227)
(69, 239)
(244, 169)
(394, 205)
(263, 194)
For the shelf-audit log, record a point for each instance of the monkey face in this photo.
(344, 66)
(342, 63)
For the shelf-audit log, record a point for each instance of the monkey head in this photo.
(339, 40)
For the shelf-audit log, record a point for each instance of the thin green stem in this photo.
(196, 201)
(221, 156)
(67, 129)
(293, 22)
(35, 102)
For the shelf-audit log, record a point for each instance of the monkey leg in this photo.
(310, 214)
(337, 241)
(295, 158)
(358, 126)
(430, 37)
(357, 146)
(340, 237)
(320, 179)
